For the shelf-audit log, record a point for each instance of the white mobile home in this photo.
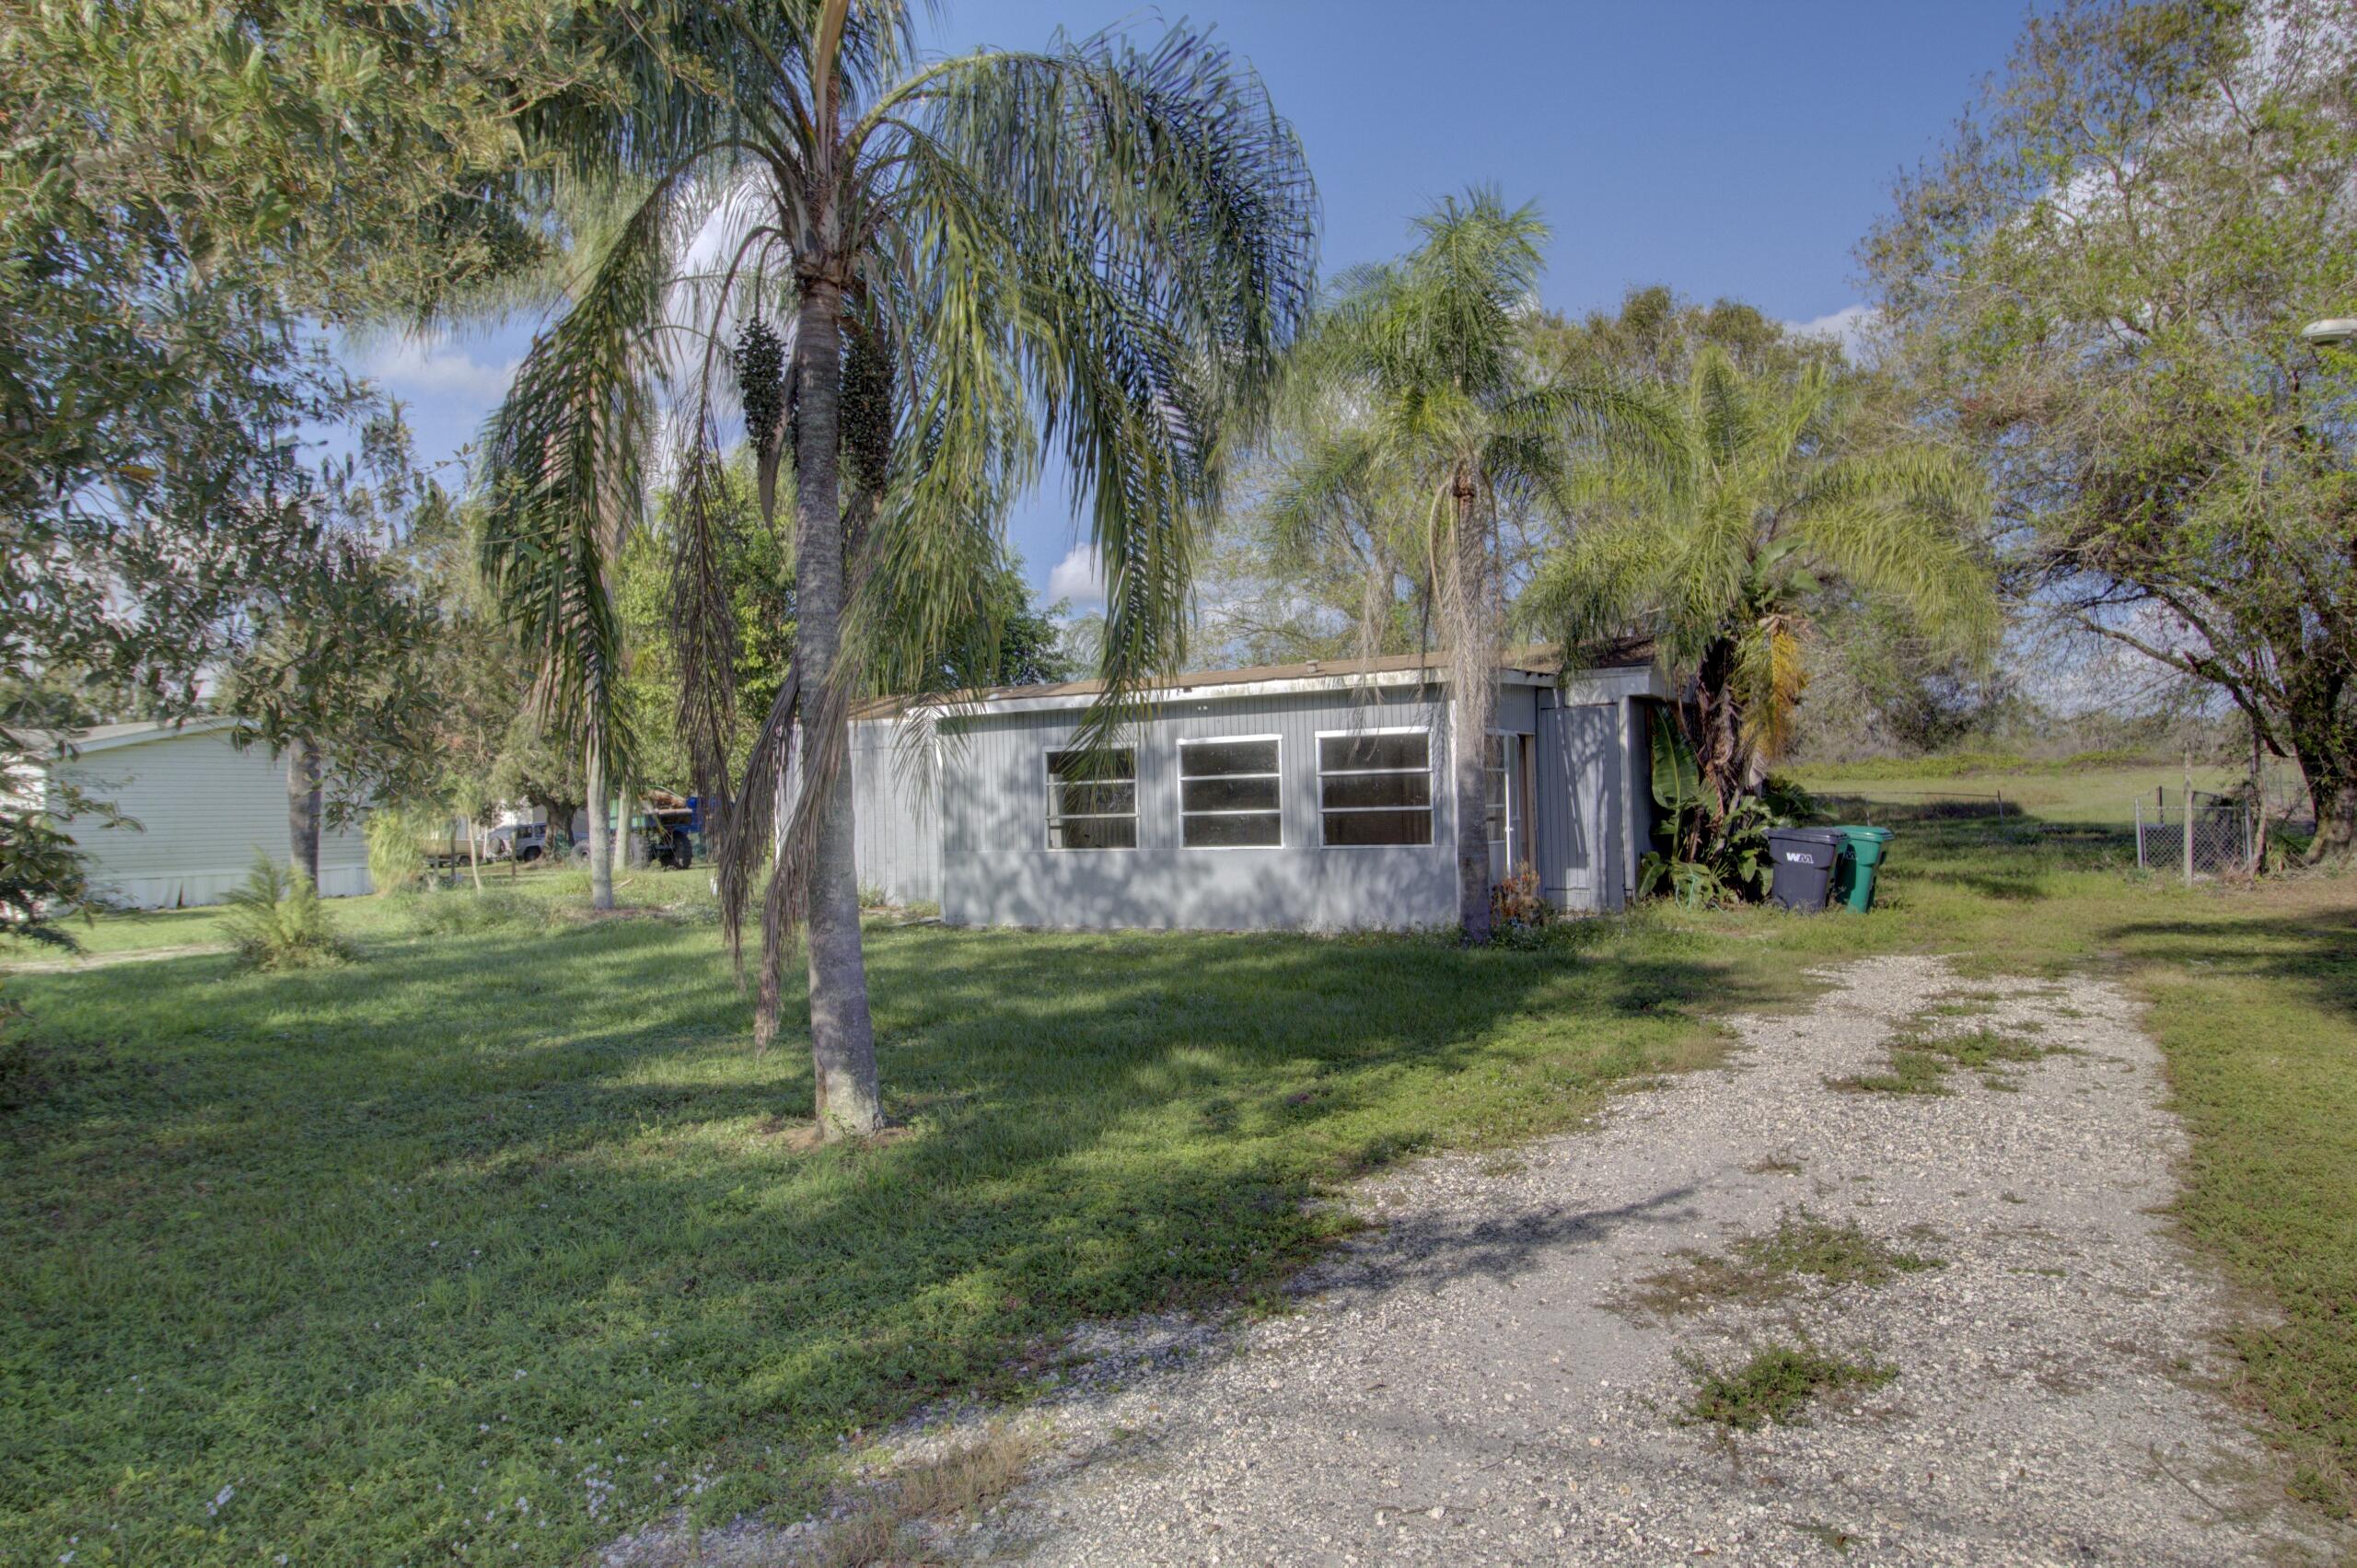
(1310, 796)
(202, 808)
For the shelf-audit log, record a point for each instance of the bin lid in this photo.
(1880, 835)
(1806, 835)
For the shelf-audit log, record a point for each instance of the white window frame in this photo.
(1278, 811)
(1049, 821)
(1430, 770)
(1508, 767)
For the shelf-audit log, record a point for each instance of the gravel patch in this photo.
(1468, 1381)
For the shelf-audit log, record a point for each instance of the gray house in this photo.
(1309, 796)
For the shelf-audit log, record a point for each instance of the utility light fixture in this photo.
(2336, 331)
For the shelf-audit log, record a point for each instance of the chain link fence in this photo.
(2220, 828)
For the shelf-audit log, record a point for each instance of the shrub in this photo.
(396, 848)
(276, 921)
(1519, 911)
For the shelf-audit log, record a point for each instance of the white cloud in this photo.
(1849, 326)
(436, 368)
(1079, 577)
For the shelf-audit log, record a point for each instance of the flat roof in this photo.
(1537, 664)
(105, 736)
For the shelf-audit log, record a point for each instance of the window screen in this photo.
(1494, 766)
(1093, 799)
(1375, 787)
(1230, 794)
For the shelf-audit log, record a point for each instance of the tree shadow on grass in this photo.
(437, 1210)
(2315, 952)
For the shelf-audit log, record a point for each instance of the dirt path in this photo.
(1502, 1368)
(107, 960)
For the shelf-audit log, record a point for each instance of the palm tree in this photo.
(1421, 427)
(1095, 246)
(1782, 507)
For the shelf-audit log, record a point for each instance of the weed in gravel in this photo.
(1775, 1385)
(1763, 1268)
(1783, 1162)
(949, 1489)
(1909, 1073)
(1922, 1060)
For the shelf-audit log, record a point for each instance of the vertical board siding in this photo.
(1580, 763)
(202, 808)
(896, 811)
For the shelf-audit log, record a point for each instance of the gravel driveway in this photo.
(1501, 1368)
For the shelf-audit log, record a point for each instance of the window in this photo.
(1494, 766)
(1374, 787)
(1093, 799)
(1229, 793)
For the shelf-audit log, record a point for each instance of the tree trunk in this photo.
(1473, 709)
(474, 855)
(2324, 740)
(2333, 792)
(303, 809)
(842, 1038)
(602, 855)
(1718, 749)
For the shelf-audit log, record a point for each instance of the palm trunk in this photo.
(842, 1036)
(302, 808)
(1718, 749)
(1473, 711)
(1474, 714)
(474, 855)
(601, 857)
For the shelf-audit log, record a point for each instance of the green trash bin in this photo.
(1853, 877)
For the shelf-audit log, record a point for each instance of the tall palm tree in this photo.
(1419, 426)
(1780, 506)
(1095, 246)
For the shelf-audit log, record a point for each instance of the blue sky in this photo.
(1725, 147)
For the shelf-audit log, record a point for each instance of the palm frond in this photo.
(562, 482)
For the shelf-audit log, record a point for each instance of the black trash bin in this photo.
(1805, 858)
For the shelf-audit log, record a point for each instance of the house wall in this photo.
(966, 825)
(997, 870)
(896, 810)
(204, 807)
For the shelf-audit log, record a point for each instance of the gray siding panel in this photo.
(896, 812)
(997, 869)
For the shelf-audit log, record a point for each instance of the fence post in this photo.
(2140, 832)
(2188, 817)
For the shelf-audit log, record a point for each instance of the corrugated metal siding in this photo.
(205, 807)
(896, 811)
(1580, 764)
(997, 869)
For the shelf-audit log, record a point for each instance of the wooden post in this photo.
(2189, 816)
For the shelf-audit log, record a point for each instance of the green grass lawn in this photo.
(504, 1239)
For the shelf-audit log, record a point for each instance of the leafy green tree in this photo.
(332, 674)
(1778, 508)
(1655, 336)
(188, 193)
(1115, 239)
(1421, 430)
(2103, 283)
